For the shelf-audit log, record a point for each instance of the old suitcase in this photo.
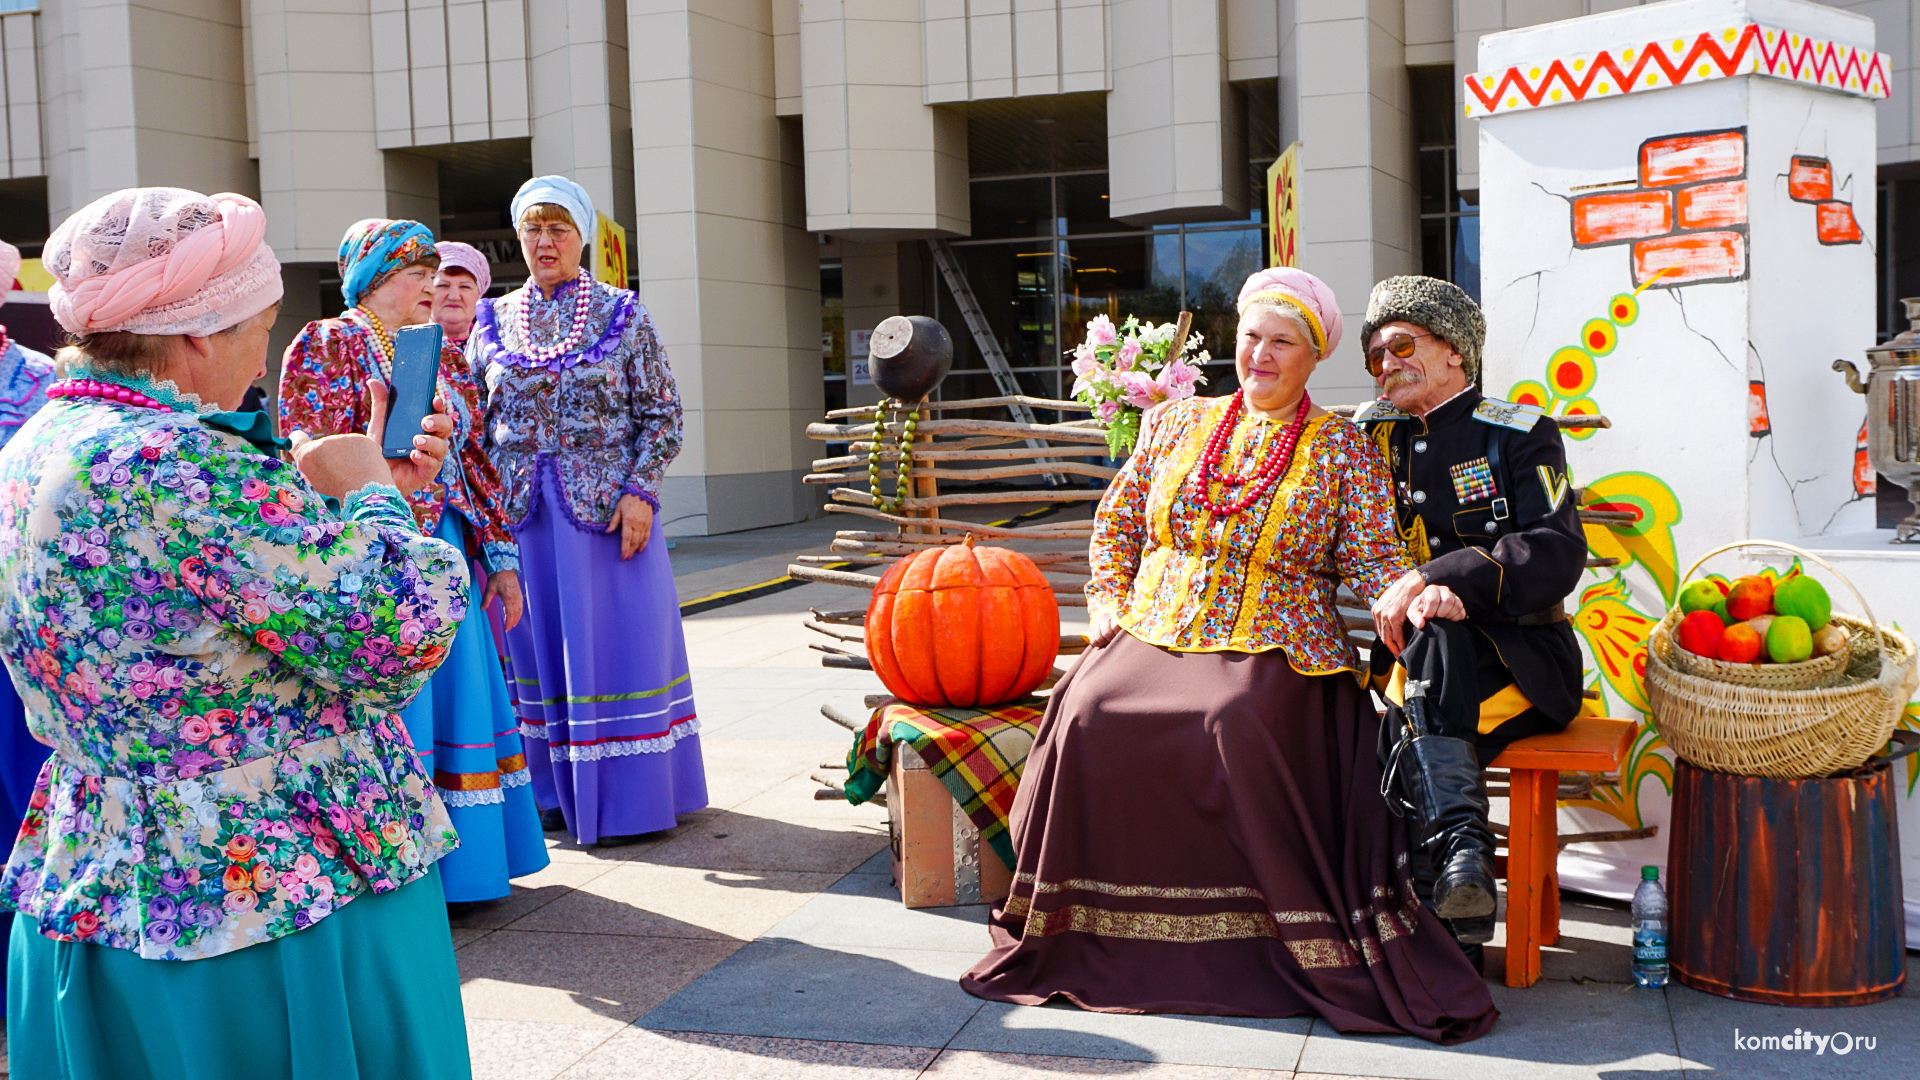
(938, 859)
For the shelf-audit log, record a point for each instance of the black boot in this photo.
(1441, 776)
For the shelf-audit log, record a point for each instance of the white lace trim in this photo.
(657, 745)
(531, 730)
(517, 778)
(483, 797)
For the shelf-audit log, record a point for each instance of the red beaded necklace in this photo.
(1272, 467)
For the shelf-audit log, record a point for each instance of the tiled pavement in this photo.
(762, 938)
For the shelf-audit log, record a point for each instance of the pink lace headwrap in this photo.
(161, 260)
(9, 268)
(1298, 289)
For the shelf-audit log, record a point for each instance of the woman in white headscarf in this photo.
(582, 418)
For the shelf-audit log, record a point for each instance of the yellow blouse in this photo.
(1263, 578)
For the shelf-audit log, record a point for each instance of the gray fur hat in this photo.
(1441, 306)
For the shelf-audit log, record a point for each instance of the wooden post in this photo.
(924, 486)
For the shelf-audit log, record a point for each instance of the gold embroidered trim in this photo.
(1151, 926)
(1324, 953)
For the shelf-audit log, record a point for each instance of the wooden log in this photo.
(856, 497)
(847, 616)
(1609, 517)
(1036, 532)
(839, 716)
(1072, 431)
(974, 403)
(999, 472)
(837, 635)
(1007, 453)
(831, 577)
(851, 663)
(887, 550)
(1594, 563)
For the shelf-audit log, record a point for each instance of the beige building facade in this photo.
(790, 172)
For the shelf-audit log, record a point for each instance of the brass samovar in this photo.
(1892, 387)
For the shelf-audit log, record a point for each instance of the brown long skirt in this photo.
(1204, 833)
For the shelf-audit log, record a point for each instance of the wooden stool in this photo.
(1590, 744)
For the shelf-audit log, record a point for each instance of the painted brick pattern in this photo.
(1686, 217)
(1684, 159)
(1810, 180)
(1713, 206)
(1627, 215)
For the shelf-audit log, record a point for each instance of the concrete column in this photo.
(1176, 140)
(582, 100)
(725, 266)
(1359, 215)
(878, 160)
(172, 113)
(320, 167)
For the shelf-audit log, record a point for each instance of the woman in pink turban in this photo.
(229, 865)
(1199, 828)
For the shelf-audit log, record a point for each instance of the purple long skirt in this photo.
(598, 667)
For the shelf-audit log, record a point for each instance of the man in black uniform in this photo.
(1475, 648)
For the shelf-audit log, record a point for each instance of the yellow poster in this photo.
(1283, 209)
(610, 253)
(33, 276)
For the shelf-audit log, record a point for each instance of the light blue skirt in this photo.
(462, 726)
(368, 993)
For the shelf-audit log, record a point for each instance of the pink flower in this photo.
(196, 730)
(1174, 382)
(270, 641)
(305, 866)
(252, 488)
(1129, 355)
(1107, 411)
(1083, 362)
(1100, 331)
(274, 514)
(255, 612)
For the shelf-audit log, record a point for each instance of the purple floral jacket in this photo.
(605, 417)
(215, 658)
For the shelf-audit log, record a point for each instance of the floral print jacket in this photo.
(321, 393)
(215, 658)
(605, 417)
(1179, 577)
(24, 378)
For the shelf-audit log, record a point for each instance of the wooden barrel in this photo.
(1787, 891)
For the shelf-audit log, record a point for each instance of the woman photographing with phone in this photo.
(462, 723)
(232, 824)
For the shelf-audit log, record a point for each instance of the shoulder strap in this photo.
(1502, 482)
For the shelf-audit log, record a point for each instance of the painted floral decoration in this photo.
(1121, 372)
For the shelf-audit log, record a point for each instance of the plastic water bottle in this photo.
(1650, 929)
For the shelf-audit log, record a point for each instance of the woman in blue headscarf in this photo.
(462, 724)
(582, 418)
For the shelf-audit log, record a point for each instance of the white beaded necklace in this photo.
(576, 335)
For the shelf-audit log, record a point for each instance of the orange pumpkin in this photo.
(963, 625)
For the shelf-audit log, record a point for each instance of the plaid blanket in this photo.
(976, 753)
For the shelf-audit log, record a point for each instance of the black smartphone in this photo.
(416, 371)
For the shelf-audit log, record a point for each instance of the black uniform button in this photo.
(1419, 446)
(1419, 496)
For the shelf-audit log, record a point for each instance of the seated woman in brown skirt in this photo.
(1199, 828)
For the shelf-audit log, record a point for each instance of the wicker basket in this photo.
(1789, 734)
(1818, 671)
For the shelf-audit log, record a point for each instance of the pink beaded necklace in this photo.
(576, 334)
(94, 388)
(1271, 468)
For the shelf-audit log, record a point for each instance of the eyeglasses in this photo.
(555, 232)
(1400, 345)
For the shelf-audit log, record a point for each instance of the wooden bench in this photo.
(1590, 745)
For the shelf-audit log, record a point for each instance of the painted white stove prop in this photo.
(1676, 207)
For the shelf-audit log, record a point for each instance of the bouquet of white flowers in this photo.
(1123, 372)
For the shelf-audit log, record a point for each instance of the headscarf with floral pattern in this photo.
(377, 248)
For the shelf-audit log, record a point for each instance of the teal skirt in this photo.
(370, 991)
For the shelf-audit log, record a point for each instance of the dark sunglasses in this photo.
(1401, 345)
